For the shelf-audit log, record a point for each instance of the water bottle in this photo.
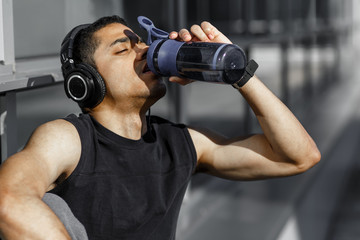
(203, 61)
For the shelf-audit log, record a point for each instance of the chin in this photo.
(158, 91)
(156, 87)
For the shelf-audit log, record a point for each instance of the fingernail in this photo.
(210, 36)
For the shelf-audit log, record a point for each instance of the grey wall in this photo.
(40, 25)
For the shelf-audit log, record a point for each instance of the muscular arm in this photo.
(284, 149)
(53, 150)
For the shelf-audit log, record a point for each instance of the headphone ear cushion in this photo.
(100, 87)
(98, 84)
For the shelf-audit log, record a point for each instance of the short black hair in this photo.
(85, 43)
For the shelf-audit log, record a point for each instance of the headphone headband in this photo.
(67, 46)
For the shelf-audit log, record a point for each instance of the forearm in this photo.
(284, 132)
(28, 217)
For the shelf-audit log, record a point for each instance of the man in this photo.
(124, 175)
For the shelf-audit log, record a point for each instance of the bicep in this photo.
(24, 173)
(52, 150)
(239, 159)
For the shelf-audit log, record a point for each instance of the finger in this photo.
(198, 32)
(213, 33)
(195, 39)
(210, 31)
(181, 81)
(185, 35)
(173, 35)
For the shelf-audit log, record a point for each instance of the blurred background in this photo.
(307, 52)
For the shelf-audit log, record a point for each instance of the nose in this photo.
(141, 51)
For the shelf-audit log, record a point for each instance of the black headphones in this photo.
(82, 82)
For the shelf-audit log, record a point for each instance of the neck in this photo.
(131, 125)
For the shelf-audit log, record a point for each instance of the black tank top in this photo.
(129, 189)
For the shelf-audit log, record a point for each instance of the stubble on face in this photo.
(123, 64)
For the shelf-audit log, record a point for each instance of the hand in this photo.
(181, 81)
(206, 32)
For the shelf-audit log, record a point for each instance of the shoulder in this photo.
(57, 131)
(177, 132)
(205, 141)
(56, 142)
(52, 151)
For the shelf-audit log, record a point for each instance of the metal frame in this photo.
(8, 125)
(7, 36)
(7, 66)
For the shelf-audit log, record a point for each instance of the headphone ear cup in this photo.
(85, 86)
(77, 85)
(99, 86)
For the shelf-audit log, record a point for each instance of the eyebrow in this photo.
(120, 40)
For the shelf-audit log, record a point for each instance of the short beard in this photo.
(158, 92)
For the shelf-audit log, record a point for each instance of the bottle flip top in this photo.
(204, 61)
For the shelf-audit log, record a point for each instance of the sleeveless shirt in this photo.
(129, 189)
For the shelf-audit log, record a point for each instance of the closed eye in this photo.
(121, 51)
